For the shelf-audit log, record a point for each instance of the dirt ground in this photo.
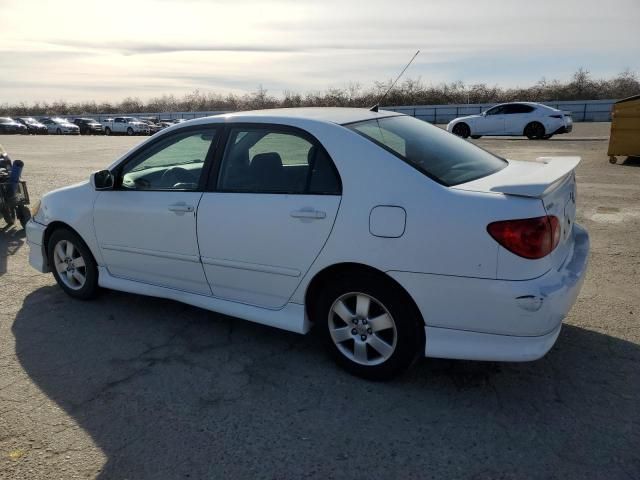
(130, 387)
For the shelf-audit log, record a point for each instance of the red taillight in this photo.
(529, 237)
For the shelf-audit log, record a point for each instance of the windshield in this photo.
(447, 159)
(5, 120)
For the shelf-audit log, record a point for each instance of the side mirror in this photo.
(484, 114)
(102, 180)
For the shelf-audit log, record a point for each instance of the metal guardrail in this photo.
(581, 111)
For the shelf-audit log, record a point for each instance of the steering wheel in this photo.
(175, 175)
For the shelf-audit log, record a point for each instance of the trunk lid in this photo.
(550, 179)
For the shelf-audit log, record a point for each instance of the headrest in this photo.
(266, 161)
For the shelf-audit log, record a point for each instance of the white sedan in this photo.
(394, 237)
(60, 126)
(533, 120)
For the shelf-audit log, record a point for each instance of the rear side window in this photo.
(518, 108)
(263, 160)
(444, 157)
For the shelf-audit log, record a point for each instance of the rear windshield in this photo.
(442, 156)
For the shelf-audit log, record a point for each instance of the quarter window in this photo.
(174, 163)
(264, 160)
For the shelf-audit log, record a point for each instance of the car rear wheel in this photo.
(72, 264)
(368, 326)
(462, 130)
(130, 131)
(534, 130)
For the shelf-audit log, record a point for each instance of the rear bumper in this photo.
(35, 241)
(483, 319)
(563, 129)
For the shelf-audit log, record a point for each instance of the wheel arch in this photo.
(58, 225)
(326, 274)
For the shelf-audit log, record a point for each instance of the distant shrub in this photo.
(408, 92)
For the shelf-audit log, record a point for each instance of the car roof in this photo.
(339, 115)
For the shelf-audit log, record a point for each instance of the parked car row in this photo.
(84, 126)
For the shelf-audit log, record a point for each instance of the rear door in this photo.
(273, 203)
(492, 123)
(146, 226)
(517, 115)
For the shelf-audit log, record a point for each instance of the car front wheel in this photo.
(73, 265)
(462, 130)
(368, 326)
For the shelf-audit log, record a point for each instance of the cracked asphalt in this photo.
(130, 387)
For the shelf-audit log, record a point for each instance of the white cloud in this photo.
(81, 50)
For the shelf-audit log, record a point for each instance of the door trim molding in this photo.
(152, 253)
(254, 267)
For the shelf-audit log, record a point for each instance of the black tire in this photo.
(9, 215)
(476, 137)
(130, 131)
(534, 131)
(24, 215)
(409, 327)
(461, 130)
(90, 287)
(107, 131)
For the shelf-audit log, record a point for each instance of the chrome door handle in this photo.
(308, 213)
(181, 208)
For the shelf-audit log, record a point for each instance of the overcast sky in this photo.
(110, 49)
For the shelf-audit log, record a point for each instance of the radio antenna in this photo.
(375, 107)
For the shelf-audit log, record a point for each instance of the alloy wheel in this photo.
(70, 264)
(362, 329)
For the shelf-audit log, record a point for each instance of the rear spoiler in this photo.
(526, 179)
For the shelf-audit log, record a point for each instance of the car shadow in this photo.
(631, 162)
(170, 391)
(11, 239)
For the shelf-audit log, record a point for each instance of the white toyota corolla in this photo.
(394, 237)
(533, 120)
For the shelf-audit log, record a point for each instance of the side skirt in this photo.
(291, 317)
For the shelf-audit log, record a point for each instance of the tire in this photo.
(9, 215)
(476, 137)
(351, 336)
(461, 130)
(107, 131)
(58, 132)
(65, 269)
(24, 215)
(534, 131)
(130, 131)
(613, 160)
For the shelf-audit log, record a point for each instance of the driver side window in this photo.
(496, 110)
(173, 163)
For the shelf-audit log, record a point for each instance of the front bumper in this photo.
(500, 320)
(35, 241)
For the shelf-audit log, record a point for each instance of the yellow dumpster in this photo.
(625, 129)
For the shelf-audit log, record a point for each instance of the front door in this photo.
(275, 200)
(146, 226)
(492, 123)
